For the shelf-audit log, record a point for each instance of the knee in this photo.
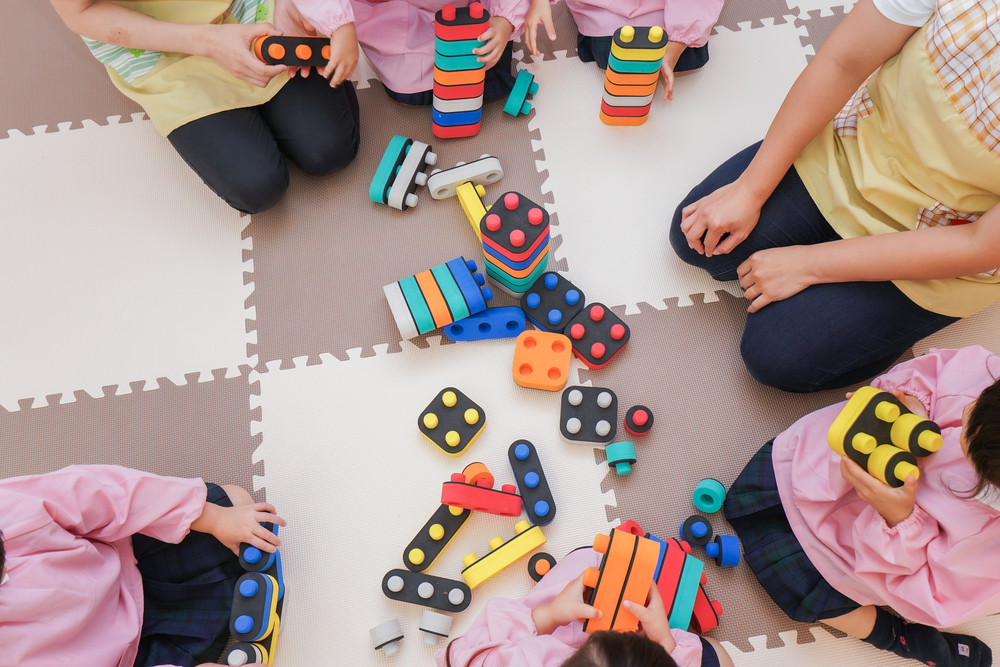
(257, 190)
(774, 361)
(334, 149)
(237, 494)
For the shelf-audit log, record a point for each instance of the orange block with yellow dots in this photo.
(541, 360)
(626, 573)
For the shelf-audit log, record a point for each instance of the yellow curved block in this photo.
(638, 54)
(502, 555)
(837, 434)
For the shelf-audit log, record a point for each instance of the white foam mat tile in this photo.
(983, 328)
(118, 265)
(347, 467)
(615, 188)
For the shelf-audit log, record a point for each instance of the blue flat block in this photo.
(461, 47)
(467, 282)
(634, 67)
(454, 119)
(487, 325)
(517, 266)
(457, 63)
(278, 575)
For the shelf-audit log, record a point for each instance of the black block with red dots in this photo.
(597, 335)
(638, 420)
(516, 225)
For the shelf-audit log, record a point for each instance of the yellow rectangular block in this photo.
(502, 554)
(471, 203)
(637, 54)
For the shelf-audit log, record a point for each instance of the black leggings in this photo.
(238, 153)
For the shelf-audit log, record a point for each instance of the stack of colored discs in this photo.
(633, 68)
(515, 235)
(458, 77)
(447, 293)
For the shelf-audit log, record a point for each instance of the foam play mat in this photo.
(147, 324)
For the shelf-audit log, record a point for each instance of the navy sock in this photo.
(926, 644)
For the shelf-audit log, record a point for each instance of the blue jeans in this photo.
(826, 336)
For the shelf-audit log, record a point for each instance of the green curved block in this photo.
(524, 86)
(456, 63)
(462, 47)
(418, 305)
(634, 66)
(393, 157)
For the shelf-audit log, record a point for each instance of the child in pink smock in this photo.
(829, 542)
(398, 38)
(107, 566)
(688, 23)
(543, 629)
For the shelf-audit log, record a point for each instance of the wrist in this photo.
(205, 41)
(668, 642)
(673, 54)
(208, 520)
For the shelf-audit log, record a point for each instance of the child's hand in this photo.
(567, 607)
(289, 20)
(241, 523)
(895, 505)
(911, 402)
(673, 54)
(540, 12)
(496, 38)
(343, 55)
(230, 46)
(653, 619)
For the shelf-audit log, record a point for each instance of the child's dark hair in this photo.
(3, 554)
(982, 433)
(620, 649)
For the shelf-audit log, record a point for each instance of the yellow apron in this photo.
(914, 162)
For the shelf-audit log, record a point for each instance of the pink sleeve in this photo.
(504, 635)
(897, 551)
(326, 15)
(687, 652)
(941, 373)
(690, 22)
(110, 503)
(513, 10)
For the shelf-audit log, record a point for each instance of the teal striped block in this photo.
(633, 66)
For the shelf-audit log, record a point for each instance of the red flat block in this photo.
(467, 91)
(481, 497)
(625, 111)
(455, 131)
(455, 33)
(706, 613)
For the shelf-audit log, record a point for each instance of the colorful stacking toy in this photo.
(633, 69)
(447, 293)
(458, 76)
(515, 235)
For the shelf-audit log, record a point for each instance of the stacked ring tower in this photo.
(515, 236)
(458, 76)
(633, 69)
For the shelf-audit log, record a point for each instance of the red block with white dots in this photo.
(597, 335)
(638, 420)
(481, 496)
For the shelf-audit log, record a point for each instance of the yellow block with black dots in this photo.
(452, 421)
(916, 435)
(502, 554)
(891, 465)
(648, 55)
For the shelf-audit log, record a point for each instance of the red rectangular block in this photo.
(481, 497)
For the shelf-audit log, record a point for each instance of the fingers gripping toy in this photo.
(292, 50)
(871, 420)
(492, 323)
(400, 172)
(678, 576)
(484, 171)
(588, 414)
(502, 554)
(447, 293)
(633, 66)
(626, 573)
(387, 637)
(535, 494)
(257, 604)
(452, 421)
(524, 85)
(426, 590)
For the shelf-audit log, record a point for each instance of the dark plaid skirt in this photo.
(187, 593)
(753, 508)
(597, 50)
(499, 82)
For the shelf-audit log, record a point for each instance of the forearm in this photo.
(208, 520)
(117, 25)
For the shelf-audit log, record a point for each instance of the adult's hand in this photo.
(230, 46)
(774, 274)
(289, 20)
(729, 210)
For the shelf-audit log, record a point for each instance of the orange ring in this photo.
(477, 471)
(632, 79)
(637, 91)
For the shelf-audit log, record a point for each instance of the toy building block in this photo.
(539, 565)
(452, 421)
(409, 175)
(630, 83)
(255, 607)
(598, 335)
(502, 554)
(426, 590)
(541, 360)
(626, 573)
(484, 171)
(709, 495)
(292, 50)
(589, 415)
(461, 23)
(470, 197)
(725, 549)
(434, 626)
(492, 323)
(515, 236)
(444, 294)
(243, 653)
(432, 539)
(552, 302)
(871, 420)
(454, 132)
(706, 613)
(459, 77)
(524, 85)
(253, 559)
(621, 456)
(696, 531)
(387, 637)
(632, 527)
(535, 493)
(678, 578)
(638, 420)
(481, 497)
(392, 160)
(459, 47)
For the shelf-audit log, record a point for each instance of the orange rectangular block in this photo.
(635, 91)
(623, 120)
(541, 360)
(466, 77)
(631, 79)
(626, 573)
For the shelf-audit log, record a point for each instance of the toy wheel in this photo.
(696, 530)
(420, 178)
(729, 550)
(477, 471)
(431, 158)
(539, 565)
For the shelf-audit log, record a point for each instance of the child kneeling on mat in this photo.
(831, 543)
(543, 629)
(104, 565)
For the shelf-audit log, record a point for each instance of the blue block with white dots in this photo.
(491, 323)
(535, 493)
(552, 301)
(725, 549)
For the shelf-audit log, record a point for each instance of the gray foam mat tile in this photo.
(735, 12)
(200, 429)
(819, 27)
(50, 77)
(322, 255)
(566, 33)
(710, 417)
